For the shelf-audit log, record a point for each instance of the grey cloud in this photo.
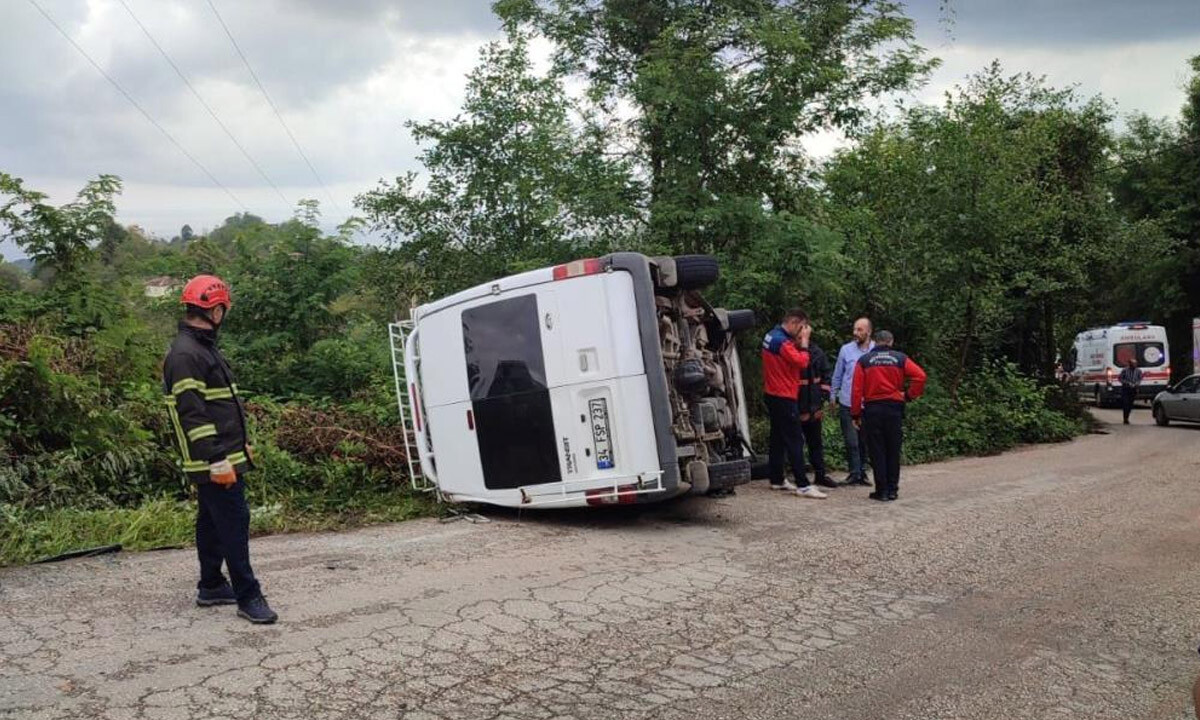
(1054, 23)
(418, 16)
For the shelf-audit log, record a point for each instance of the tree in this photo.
(978, 224)
(723, 92)
(1155, 185)
(520, 178)
(58, 238)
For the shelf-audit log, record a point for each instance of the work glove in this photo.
(222, 474)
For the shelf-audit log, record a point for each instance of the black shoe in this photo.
(826, 481)
(892, 496)
(220, 595)
(857, 480)
(257, 611)
(878, 496)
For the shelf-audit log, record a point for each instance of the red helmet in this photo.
(206, 291)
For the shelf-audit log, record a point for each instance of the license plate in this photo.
(601, 438)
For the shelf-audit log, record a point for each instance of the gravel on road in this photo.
(1051, 582)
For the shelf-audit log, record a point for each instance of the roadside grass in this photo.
(27, 535)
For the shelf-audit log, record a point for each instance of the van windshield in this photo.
(1147, 354)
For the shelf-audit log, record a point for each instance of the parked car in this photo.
(608, 380)
(1178, 402)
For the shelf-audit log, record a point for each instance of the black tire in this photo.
(740, 320)
(1160, 416)
(696, 272)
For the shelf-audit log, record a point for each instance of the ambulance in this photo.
(1099, 354)
(602, 381)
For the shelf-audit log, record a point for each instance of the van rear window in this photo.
(503, 345)
(506, 372)
(1147, 354)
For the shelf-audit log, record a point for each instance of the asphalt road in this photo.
(1051, 582)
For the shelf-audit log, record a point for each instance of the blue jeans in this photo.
(856, 445)
(223, 534)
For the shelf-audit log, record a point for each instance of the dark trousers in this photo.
(785, 439)
(816, 445)
(883, 423)
(223, 534)
(1128, 395)
(856, 443)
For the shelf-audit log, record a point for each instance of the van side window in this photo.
(503, 344)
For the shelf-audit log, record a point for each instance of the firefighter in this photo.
(814, 395)
(209, 421)
(785, 357)
(877, 406)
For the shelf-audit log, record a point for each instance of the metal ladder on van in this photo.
(398, 336)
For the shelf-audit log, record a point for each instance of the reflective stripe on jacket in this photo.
(206, 414)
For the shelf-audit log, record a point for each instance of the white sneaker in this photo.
(811, 492)
(787, 485)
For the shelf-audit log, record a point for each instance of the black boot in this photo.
(219, 595)
(257, 611)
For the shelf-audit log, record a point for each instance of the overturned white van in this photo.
(606, 380)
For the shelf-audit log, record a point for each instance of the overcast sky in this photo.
(346, 74)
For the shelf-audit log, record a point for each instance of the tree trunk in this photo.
(965, 352)
(1050, 343)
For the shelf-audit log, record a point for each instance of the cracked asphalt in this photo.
(1051, 582)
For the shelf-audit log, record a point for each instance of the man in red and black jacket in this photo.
(784, 358)
(878, 405)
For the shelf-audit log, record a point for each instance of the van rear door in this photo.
(538, 385)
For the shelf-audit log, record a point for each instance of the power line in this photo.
(1123, 163)
(206, 106)
(137, 106)
(271, 103)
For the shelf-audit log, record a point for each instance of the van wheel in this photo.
(1160, 416)
(695, 272)
(740, 320)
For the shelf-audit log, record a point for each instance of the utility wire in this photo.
(206, 106)
(137, 106)
(271, 103)
(1123, 163)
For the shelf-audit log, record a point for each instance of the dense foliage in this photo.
(984, 232)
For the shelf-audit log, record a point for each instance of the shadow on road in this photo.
(652, 517)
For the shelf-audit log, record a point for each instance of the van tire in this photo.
(740, 320)
(695, 272)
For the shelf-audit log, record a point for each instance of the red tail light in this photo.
(591, 266)
(625, 495)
